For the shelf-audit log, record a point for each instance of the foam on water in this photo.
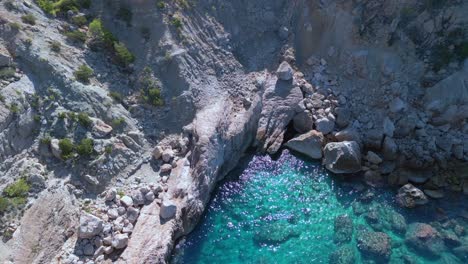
(283, 211)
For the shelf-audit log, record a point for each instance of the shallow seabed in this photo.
(284, 211)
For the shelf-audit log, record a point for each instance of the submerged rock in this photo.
(274, 233)
(343, 229)
(376, 245)
(409, 196)
(342, 157)
(424, 239)
(309, 144)
(343, 255)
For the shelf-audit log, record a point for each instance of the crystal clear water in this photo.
(284, 211)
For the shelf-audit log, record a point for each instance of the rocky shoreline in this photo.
(134, 150)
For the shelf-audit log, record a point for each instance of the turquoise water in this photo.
(284, 211)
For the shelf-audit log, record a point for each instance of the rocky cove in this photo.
(126, 115)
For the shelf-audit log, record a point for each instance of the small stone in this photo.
(138, 198)
(157, 152)
(108, 250)
(132, 214)
(91, 180)
(121, 210)
(128, 228)
(166, 168)
(149, 196)
(88, 250)
(167, 155)
(113, 213)
(285, 71)
(435, 194)
(120, 241)
(397, 105)
(111, 194)
(372, 157)
(127, 201)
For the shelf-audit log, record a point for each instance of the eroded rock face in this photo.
(309, 144)
(409, 196)
(342, 157)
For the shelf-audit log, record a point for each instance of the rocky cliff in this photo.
(118, 118)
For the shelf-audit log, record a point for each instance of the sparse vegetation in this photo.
(14, 108)
(46, 140)
(84, 120)
(55, 46)
(176, 22)
(150, 91)
(7, 72)
(123, 56)
(86, 147)
(83, 73)
(79, 20)
(108, 149)
(29, 19)
(66, 147)
(15, 26)
(57, 7)
(20, 188)
(4, 203)
(116, 96)
(118, 122)
(76, 36)
(161, 5)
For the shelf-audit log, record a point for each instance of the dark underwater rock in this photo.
(424, 239)
(343, 255)
(343, 229)
(275, 233)
(375, 245)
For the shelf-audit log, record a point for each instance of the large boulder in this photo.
(342, 157)
(285, 71)
(375, 245)
(409, 196)
(120, 241)
(309, 144)
(168, 209)
(303, 122)
(90, 226)
(424, 239)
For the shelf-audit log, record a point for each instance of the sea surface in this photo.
(285, 211)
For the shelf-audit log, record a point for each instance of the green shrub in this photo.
(14, 108)
(29, 19)
(123, 56)
(108, 149)
(15, 26)
(83, 73)
(86, 147)
(66, 147)
(100, 35)
(161, 4)
(62, 115)
(176, 22)
(20, 188)
(79, 20)
(2, 98)
(84, 120)
(116, 96)
(154, 97)
(55, 46)
(118, 122)
(46, 140)
(55, 7)
(76, 36)
(7, 72)
(4, 203)
(125, 14)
